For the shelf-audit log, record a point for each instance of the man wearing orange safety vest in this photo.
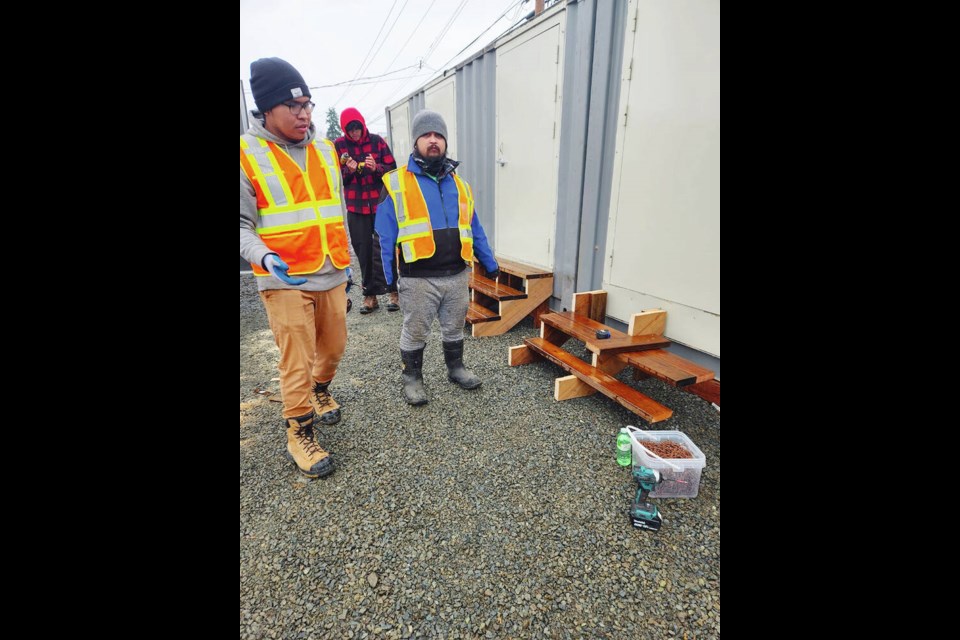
(428, 225)
(293, 234)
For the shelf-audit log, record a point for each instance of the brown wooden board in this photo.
(585, 329)
(478, 313)
(493, 289)
(668, 367)
(522, 354)
(651, 322)
(624, 395)
(709, 391)
(523, 270)
(592, 304)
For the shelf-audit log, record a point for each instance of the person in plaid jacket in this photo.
(364, 158)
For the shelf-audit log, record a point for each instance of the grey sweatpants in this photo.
(426, 299)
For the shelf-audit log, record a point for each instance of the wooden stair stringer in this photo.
(538, 291)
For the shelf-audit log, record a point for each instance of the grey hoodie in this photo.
(252, 248)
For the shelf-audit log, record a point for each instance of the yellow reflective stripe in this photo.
(286, 217)
(332, 166)
(270, 182)
(408, 255)
(414, 230)
(279, 191)
(406, 221)
(300, 213)
(334, 192)
(331, 213)
(395, 188)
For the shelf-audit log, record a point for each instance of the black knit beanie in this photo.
(273, 81)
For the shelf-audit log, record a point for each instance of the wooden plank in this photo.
(609, 363)
(522, 354)
(591, 304)
(572, 387)
(541, 309)
(513, 311)
(569, 387)
(551, 335)
(668, 367)
(584, 329)
(709, 391)
(526, 271)
(476, 312)
(651, 322)
(494, 290)
(626, 396)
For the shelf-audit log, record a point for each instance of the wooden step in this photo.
(521, 270)
(709, 391)
(584, 329)
(476, 312)
(493, 289)
(624, 395)
(668, 367)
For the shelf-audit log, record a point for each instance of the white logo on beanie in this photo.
(296, 92)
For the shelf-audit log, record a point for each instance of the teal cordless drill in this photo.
(643, 514)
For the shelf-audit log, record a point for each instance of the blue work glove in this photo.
(278, 268)
(349, 279)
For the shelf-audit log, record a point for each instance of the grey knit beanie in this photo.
(425, 122)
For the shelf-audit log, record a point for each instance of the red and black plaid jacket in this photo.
(362, 190)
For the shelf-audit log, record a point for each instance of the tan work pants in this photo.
(310, 329)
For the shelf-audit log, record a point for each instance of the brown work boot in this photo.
(310, 458)
(324, 404)
(370, 304)
(394, 304)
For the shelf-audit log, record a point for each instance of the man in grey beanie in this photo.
(440, 234)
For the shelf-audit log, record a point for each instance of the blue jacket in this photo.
(442, 203)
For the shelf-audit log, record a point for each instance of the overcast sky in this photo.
(333, 42)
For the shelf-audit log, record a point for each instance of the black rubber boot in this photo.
(456, 372)
(413, 389)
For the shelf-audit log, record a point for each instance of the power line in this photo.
(425, 14)
(380, 46)
(439, 38)
(502, 16)
(360, 68)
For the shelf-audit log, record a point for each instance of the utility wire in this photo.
(425, 14)
(380, 46)
(360, 68)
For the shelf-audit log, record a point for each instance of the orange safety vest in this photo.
(301, 215)
(413, 219)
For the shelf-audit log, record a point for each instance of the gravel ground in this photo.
(495, 513)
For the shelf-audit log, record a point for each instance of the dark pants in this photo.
(366, 244)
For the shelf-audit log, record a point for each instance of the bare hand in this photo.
(370, 162)
(351, 164)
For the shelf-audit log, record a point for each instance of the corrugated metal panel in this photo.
(594, 45)
(243, 110)
(442, 98)
(476, 106)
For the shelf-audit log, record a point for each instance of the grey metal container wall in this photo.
(243, 110)
(588, 133)
(592, 64)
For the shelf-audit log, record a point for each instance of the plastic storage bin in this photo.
(681, 476)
